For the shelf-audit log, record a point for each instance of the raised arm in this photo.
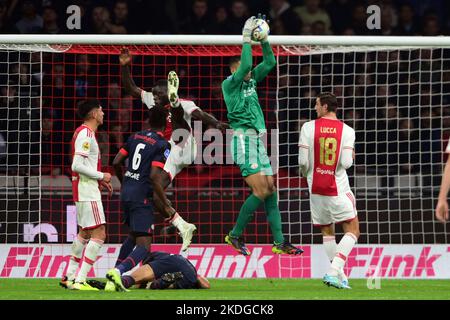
(246, 64)
(209, 119)
(268, 63)
(127, 81)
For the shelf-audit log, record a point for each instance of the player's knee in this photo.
(99, 233)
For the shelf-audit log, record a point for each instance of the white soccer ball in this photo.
(261, 30)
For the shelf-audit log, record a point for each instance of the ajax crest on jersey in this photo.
(85, 146)
(261, 30)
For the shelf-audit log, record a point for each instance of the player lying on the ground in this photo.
(180, 113)
(159, 270)
(247, 120)
(326, 151)
(442, 205)
(87, 182)
(147, 152)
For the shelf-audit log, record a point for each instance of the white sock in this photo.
(77, 252)
(90, 255)
(329, 243)
(178, 222)
(344, 248)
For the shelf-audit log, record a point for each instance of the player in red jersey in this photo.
(87, 182)
(181, 112)
(326, 150)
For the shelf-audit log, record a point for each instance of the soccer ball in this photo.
(261, 31)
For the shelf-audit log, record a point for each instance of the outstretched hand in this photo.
(222, 126)
(124, 57)
(248, 29)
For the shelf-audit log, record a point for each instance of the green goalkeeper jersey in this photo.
(244, 111)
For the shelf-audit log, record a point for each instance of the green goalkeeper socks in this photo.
(245, 215)
(274, 217)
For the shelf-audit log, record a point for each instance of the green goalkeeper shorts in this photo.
(250, 155)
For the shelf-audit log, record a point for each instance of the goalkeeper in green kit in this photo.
(247, 120)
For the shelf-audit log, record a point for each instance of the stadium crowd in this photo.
(395, 111)
(293, 17)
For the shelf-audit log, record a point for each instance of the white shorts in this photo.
(180, 157)
(327, 210)
(90, 214)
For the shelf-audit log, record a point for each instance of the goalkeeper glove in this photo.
(263, 17)
(248, 29)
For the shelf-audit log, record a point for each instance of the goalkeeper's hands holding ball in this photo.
(248, 29)
(263, 17)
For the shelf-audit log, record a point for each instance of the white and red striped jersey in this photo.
(325, 139)
(85, 144)
(187, 105)
(447, 150)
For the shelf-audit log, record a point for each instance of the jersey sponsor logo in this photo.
(85, 146)
(327, 130)
(166, 153)
(135, 176)
(248, 92)
(324, 171)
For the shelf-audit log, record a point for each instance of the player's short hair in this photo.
(157, 117)
(234, 60)
(84, 107)
(329, 99)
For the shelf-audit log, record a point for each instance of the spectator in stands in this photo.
(409, 147)
(387, 21)
(198, 22)
(100, 19)
(318, 28)
(359, 19)
(239, 14)
(407, 25)
(277, 27)
(50, 21)
(125, 114)
(281, 10)
(52, 153)
(340, 12)
(311, 12)
(5, 24)
(31, 22)
(82, 73)
(221, 24)
(113, 96)
(116, 139)
(431, 26)
(103, 140)
(121, 23)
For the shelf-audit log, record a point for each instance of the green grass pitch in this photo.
(237, 289)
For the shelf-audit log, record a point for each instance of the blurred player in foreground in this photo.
(87, 182)
(147, 152)
(326, 150)
(247, 120)
(159, 270)
(180, 114)
(442, 205)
